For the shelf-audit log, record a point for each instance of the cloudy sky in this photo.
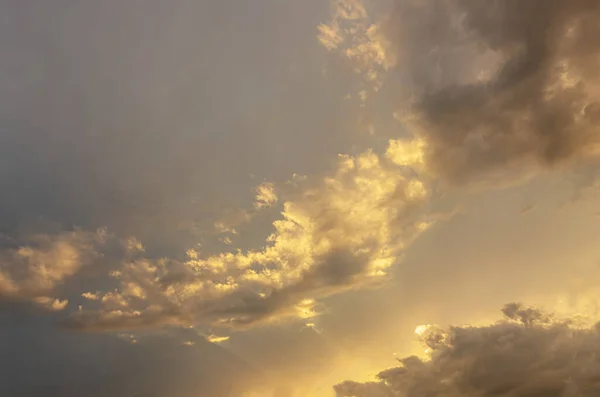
(361, 198)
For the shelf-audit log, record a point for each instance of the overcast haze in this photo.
(284, 198)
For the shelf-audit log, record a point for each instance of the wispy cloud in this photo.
(353, 33)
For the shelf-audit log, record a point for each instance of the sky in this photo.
(318, 198)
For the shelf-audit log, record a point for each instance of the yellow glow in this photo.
(421, 329)
(216, 339)
(265, 195)
(407, 152)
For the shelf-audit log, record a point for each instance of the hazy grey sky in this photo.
(239, 198)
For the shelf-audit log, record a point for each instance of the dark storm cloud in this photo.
(527, 355)
(499, 88)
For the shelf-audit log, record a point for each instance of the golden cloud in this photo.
(352, 33)
(266, 195)
(341, 233)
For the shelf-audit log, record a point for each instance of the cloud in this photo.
(51, 304)
(528, 354)
(91, 296)
(233, 219)
(36, 268)
(340, 233)
(497, 91)
(217, 339)
(352, 32)
(266, 195)
(502, 89)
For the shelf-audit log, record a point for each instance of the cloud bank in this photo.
(528, 354)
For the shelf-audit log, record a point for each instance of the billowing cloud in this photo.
(498, 90)
(528, 354)
(34, 269)
(340, 233)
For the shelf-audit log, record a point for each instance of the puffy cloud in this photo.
(528, 354)
(340, 233)
(33, 270)
(266, 195)
(497, 91)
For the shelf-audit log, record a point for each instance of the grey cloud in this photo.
(500, 89)
(528, 354)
